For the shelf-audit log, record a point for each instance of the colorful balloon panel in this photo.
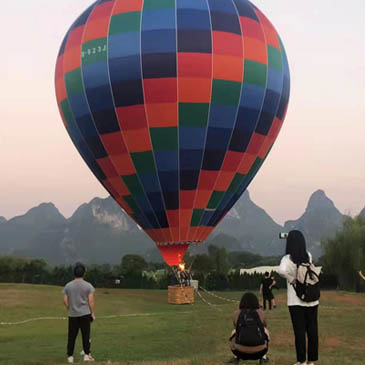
(174, 106)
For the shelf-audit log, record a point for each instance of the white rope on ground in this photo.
(217, 296)
(206, 302)
(99, 317)
(31, 320)
(215, 306)
(236, 301)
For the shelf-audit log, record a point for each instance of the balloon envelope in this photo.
(174, 105)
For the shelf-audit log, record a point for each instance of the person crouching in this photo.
(250, 338)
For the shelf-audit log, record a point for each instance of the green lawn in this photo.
(151, 331)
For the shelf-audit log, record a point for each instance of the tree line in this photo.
(212, 270)
(215, 270)
(343, 256)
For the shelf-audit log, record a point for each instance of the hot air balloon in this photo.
(174, 106)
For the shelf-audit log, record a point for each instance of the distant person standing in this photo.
(362, 276)
(266, 290)
(304, 315)
(273, 301)
(79, 301)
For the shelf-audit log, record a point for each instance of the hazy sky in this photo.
(321, 145)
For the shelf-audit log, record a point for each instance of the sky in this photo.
(321, 144)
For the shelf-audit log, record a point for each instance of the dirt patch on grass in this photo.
(352, 299)
(27, 299)
(7, 292)
(358, 347)
(330, 343)
(172, 362)
(11, 297)
(284, 339)
(281, 299)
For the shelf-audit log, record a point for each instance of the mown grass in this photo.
(151, 331)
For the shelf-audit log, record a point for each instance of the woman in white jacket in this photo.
(304, 315)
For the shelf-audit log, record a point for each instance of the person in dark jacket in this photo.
(266, 286)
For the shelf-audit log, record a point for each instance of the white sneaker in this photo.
(301, 363)
(82, 353)
(88, 358)
(70, 359)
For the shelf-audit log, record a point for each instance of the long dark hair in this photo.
(249, 301)
(296, 247)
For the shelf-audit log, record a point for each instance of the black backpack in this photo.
(249, 329)
(307, 285)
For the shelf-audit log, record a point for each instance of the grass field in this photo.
(151, 331)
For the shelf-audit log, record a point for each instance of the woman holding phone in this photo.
(304, 315)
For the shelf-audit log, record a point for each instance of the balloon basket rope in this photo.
(178, 294)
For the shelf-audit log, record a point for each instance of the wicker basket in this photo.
(180, 295)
